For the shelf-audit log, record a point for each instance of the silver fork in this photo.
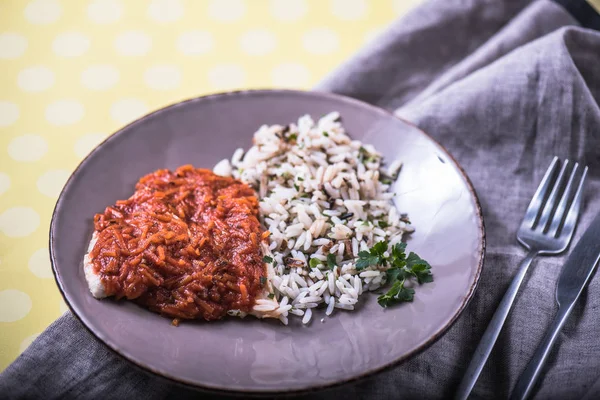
(546, 229)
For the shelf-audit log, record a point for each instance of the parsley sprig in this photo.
(402, 269)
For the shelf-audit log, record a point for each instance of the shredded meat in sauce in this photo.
(186, 245)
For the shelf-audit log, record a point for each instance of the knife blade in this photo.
(580, 265)
(575, 275)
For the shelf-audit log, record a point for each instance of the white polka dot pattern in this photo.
(64, 112)
(35, 79)
(27, 341)
(133, 43)
(226, 76)
(195, 42)
(100, 77)
(290, 75)
(85, 144)
(258, 42)
(127, 110)
(288, 10)
(320, 41)
(9, 113)
(4, 182)
(163, 77)
(39, 264)
(19, 221)
(227, 10)
(71, 44)
(43, 11)
(27, 148)
(104, 11)
(12, 45)
(165, 11)
(349, 10)
(50, 183)
(14, 305)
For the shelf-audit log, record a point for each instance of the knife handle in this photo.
(526, 383)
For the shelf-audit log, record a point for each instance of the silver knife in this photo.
(575, 274)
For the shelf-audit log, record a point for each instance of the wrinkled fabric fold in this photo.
(504, 86)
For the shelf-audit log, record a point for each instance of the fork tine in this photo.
(573, 213)
(559, 214)
(538, 198)
(551, 202)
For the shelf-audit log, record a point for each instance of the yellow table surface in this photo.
(73, 72)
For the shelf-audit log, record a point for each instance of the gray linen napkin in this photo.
(504, 86)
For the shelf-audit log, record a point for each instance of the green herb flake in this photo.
(331, 261)
(301, 179)
(267, 259)
(263, 280)
(296, 187)
(325, 134)
(271, 295)
(383, 224)
(370, 159)
(315, 262)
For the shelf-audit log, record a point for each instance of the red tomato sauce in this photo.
(187, 245)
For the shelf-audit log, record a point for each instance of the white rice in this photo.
(323, 197)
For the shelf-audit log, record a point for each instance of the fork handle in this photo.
(526, 383)
(486, 344)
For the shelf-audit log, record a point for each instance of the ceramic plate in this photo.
(253, 355)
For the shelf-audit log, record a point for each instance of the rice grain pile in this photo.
(324, 198)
